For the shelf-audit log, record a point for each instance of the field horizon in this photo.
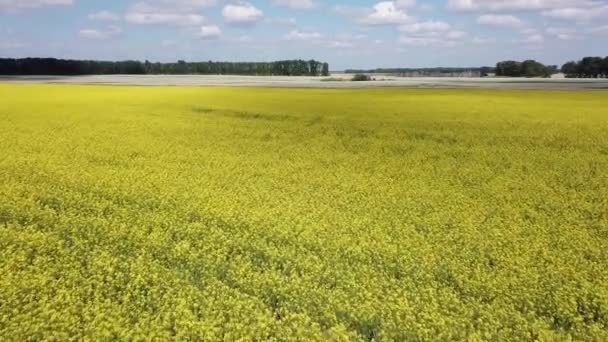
(335, 80)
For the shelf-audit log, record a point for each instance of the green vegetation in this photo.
(333, 79)
(53, 66)
(529, 68)
(133, 213)
(588, 67)
(427, 72)
(361, 78)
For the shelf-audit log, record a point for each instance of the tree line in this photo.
(53, 66)
(483, 71)
(528, 68)
(588, 67)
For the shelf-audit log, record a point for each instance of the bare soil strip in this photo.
(336, 81)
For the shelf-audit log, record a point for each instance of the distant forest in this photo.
(588, 67)
(52, 66)
(483, 71)
(528, 68)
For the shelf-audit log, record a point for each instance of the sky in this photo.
(346, 34)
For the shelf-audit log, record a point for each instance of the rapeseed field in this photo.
(187, 213)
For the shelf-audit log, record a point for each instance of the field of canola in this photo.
(302, 214)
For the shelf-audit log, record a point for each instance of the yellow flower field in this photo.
(132, 213)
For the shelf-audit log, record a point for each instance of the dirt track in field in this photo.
(336, 81)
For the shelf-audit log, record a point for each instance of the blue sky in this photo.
(347, 34)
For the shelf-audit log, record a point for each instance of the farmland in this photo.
(211, 213)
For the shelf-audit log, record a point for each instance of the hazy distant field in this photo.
(312, 214)
(337, 80)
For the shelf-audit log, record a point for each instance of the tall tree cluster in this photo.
(588, 67)
(528, 68)
(52, 66)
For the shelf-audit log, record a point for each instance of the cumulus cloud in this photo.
(598, 29)
(242, 13)
(153, 14)
(95, 34)
(484, 40)
(165, 19)
(303, 35)
(562, 33)
(517, 5)
(296, 4)
(281, 21)
(404, 3)
(456, 35)
(430, 33)
(338, 41)
(104, 16)
(418, 41)
(382, 13)
(209, 32)
(168, 12)
(500, 20)
(388, 13)
(345, 41)
(534, 39)
(16, 5)
(559, 9)
(351, 12)
(425, 26)
(577, 13)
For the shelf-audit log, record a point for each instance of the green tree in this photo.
(592, 67)
(571, 69)
(532, 68)
(508, 68)
(325, 70)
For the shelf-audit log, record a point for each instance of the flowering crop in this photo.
(135, 213)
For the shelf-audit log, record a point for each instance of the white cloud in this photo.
(16, 5)
(346, 41)
(352, 12)
(182, 5)
(452, 38)
(418, 41)
(387, 13)
(598, 29)
(303, 35)
(242, 13)
(534, 39)
(281, 21)
(577, 13)
(579, 10)
(296, 4)
(456, 35)
(174, 19)
(562, 33)
(425, 26)
(157, 14)
(168, 12)
(94, 34)
(104, 16)
(484, 40)
(404, 3)
(209, 32)
(342, 44)
(517, 5)
(500, 20)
